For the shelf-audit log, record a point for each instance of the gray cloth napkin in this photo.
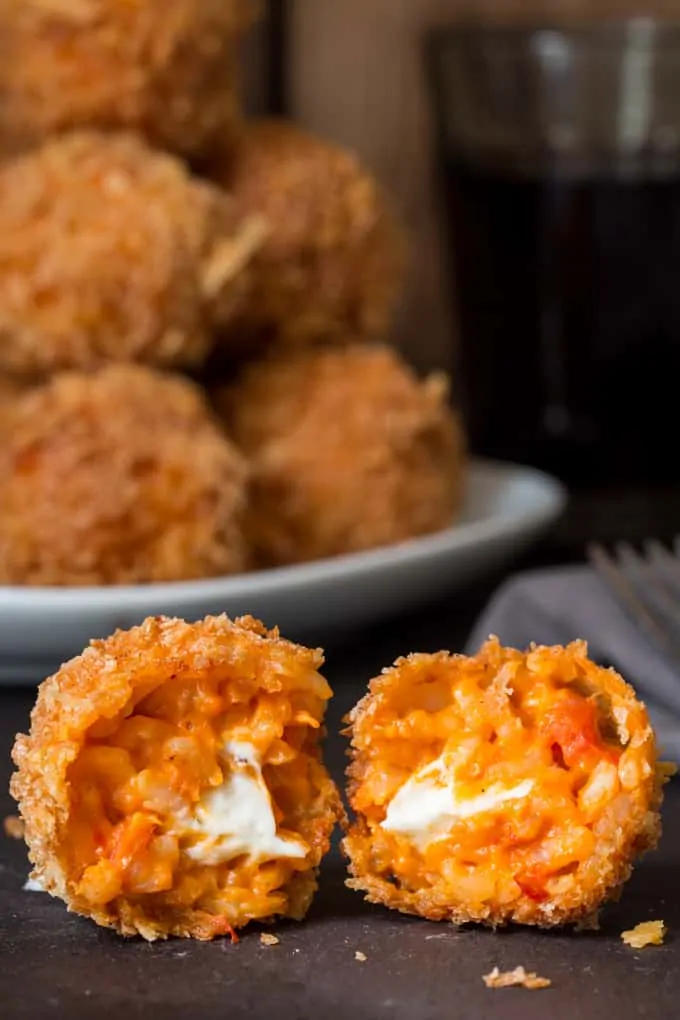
(558, 605)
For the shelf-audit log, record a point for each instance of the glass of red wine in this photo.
(560, 155)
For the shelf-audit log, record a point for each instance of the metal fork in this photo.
(647, 587)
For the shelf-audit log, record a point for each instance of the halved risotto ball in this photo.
(348, 449)
(110, 251)
(503, 787)
(332, 263)
(172, 780)
(119, 477)
(164, 68)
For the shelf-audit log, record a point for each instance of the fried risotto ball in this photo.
(332, 263)
(164, 68)
(10, 392)
(110, 251)
(120, 477)
(348, 450)
(172, 781)
(504, 787)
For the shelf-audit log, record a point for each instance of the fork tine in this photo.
(651, 586)
(664, 563)
(628, 598)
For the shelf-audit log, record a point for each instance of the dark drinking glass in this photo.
(560, 149)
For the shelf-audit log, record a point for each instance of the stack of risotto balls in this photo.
(195, 375)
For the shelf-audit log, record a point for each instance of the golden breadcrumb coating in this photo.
(10, 391)
(110, 251)
(128, 744)
(332, 264)
(349, 451)
(501, 787)
(165, 68)
(119, 477)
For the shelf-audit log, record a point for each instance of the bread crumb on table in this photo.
(361, 957)
(647, 933)
(517, 978)
(666, 769)
(14, 827)
(269, 940)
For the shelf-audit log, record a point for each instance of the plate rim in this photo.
(288, 578)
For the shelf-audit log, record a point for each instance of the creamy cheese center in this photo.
(427, 805)
(237, 817)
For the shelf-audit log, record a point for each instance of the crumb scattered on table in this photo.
(14, 827)
(517, 978)
(666, 769)
(647, 933)
(269, 940)
(361, 957)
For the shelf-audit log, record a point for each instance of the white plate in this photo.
(507, 506)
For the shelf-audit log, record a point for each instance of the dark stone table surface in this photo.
(53, 964)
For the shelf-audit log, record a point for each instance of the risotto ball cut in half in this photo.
(348, 450)
(110, 251)
(165, 68)
(333, 259)
(504, 787)
(172, 781)
(120, 477)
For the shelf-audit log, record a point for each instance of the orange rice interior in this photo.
(498, 723)
(138, 772)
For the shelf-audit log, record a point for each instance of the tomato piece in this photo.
(222, 927)
(130, 838)
(532, 885)
(571, 728)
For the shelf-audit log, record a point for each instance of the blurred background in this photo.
(535, 160)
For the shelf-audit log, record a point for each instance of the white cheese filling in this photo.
(237, 818)
(427, 805)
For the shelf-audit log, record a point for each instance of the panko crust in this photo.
(621, 841)
(110, 251)
(11, 390)
(333, 261)
(120, 477)
(165, 68)
(100, 683)
(349, 451)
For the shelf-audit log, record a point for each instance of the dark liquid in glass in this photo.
(568, 290)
